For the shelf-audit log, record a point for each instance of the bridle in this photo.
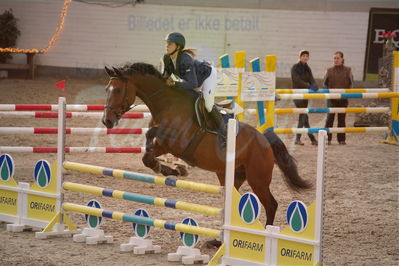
(124, 106)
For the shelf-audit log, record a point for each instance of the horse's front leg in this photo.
(149, 159)
(152, 150)
(180, 170)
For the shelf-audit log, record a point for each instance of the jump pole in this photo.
(61, 224)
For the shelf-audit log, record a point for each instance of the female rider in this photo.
(192, 74)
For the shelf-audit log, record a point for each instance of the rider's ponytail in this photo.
(191, 51)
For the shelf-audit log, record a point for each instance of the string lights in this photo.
(53, 39)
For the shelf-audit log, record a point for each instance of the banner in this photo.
(258, 86)
(381, 20)
(227, 82)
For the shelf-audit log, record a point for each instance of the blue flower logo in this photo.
(189, 240)
(141, 230)
(6, 167)
(93, 221)
(42, 173)
(297, 216)
(248, 208)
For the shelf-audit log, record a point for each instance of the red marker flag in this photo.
(60, 85)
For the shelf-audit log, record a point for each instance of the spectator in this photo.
(338, 76)
(302, 78)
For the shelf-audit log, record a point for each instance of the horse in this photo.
(174, 129)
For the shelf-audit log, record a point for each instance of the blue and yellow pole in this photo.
(271, 66)
(372, 95)
(142, 220)
(254, 65)
(159, 180)
(239, 62)
(117, 194)
(224, 61)
(393, 137)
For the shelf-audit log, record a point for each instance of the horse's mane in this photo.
(148, 69)
(140, 68)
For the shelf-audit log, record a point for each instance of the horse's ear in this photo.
(109, 72)
(117, 72)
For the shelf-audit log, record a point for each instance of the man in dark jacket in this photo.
(302, 78)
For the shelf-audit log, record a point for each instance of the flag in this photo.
(60, 85)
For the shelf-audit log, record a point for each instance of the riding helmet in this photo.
(177, 38)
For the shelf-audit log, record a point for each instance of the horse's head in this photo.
(120, 97)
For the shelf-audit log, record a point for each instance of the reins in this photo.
(121, 108)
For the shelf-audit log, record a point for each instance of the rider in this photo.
(192, 74)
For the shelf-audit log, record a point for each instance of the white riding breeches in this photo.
(208, 89)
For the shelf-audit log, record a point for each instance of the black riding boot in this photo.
(217, 117)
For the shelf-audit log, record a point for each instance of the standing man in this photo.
(338, 76)
(302, 78)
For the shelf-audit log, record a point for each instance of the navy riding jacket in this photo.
(191, 71)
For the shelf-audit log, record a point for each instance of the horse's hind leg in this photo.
(259, 176)
(272, 209)
(267, 200)
(239, 177)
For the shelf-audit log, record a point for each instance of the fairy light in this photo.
(51, 42)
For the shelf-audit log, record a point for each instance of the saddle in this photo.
(214, 122)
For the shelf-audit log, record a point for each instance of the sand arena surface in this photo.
(361, 214)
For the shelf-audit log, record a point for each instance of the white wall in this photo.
(94, 35)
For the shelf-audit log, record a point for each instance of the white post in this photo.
(59, 228)
(61, 153)
(321, 170)
(229, 179)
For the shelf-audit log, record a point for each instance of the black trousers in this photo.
(303, 120)
(341, 117)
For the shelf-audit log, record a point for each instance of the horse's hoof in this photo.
(213, 243)
(157, 168)
(182, 170)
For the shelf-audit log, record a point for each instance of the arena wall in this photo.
(96, 35)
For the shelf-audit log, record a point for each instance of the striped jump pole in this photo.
(338, 96)
(335, 90)
(69, 107)
(174, 204)
(326, 110)
(124, 217)
(368, 95)
(11, 149)
(330, 130)
(158, 180)
(73, 131)
(70, 114)
(331, 110)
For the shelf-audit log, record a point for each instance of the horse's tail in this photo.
(286, 162)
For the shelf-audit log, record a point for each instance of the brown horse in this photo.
(175, 129)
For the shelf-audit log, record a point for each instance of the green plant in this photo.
(8, 33)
